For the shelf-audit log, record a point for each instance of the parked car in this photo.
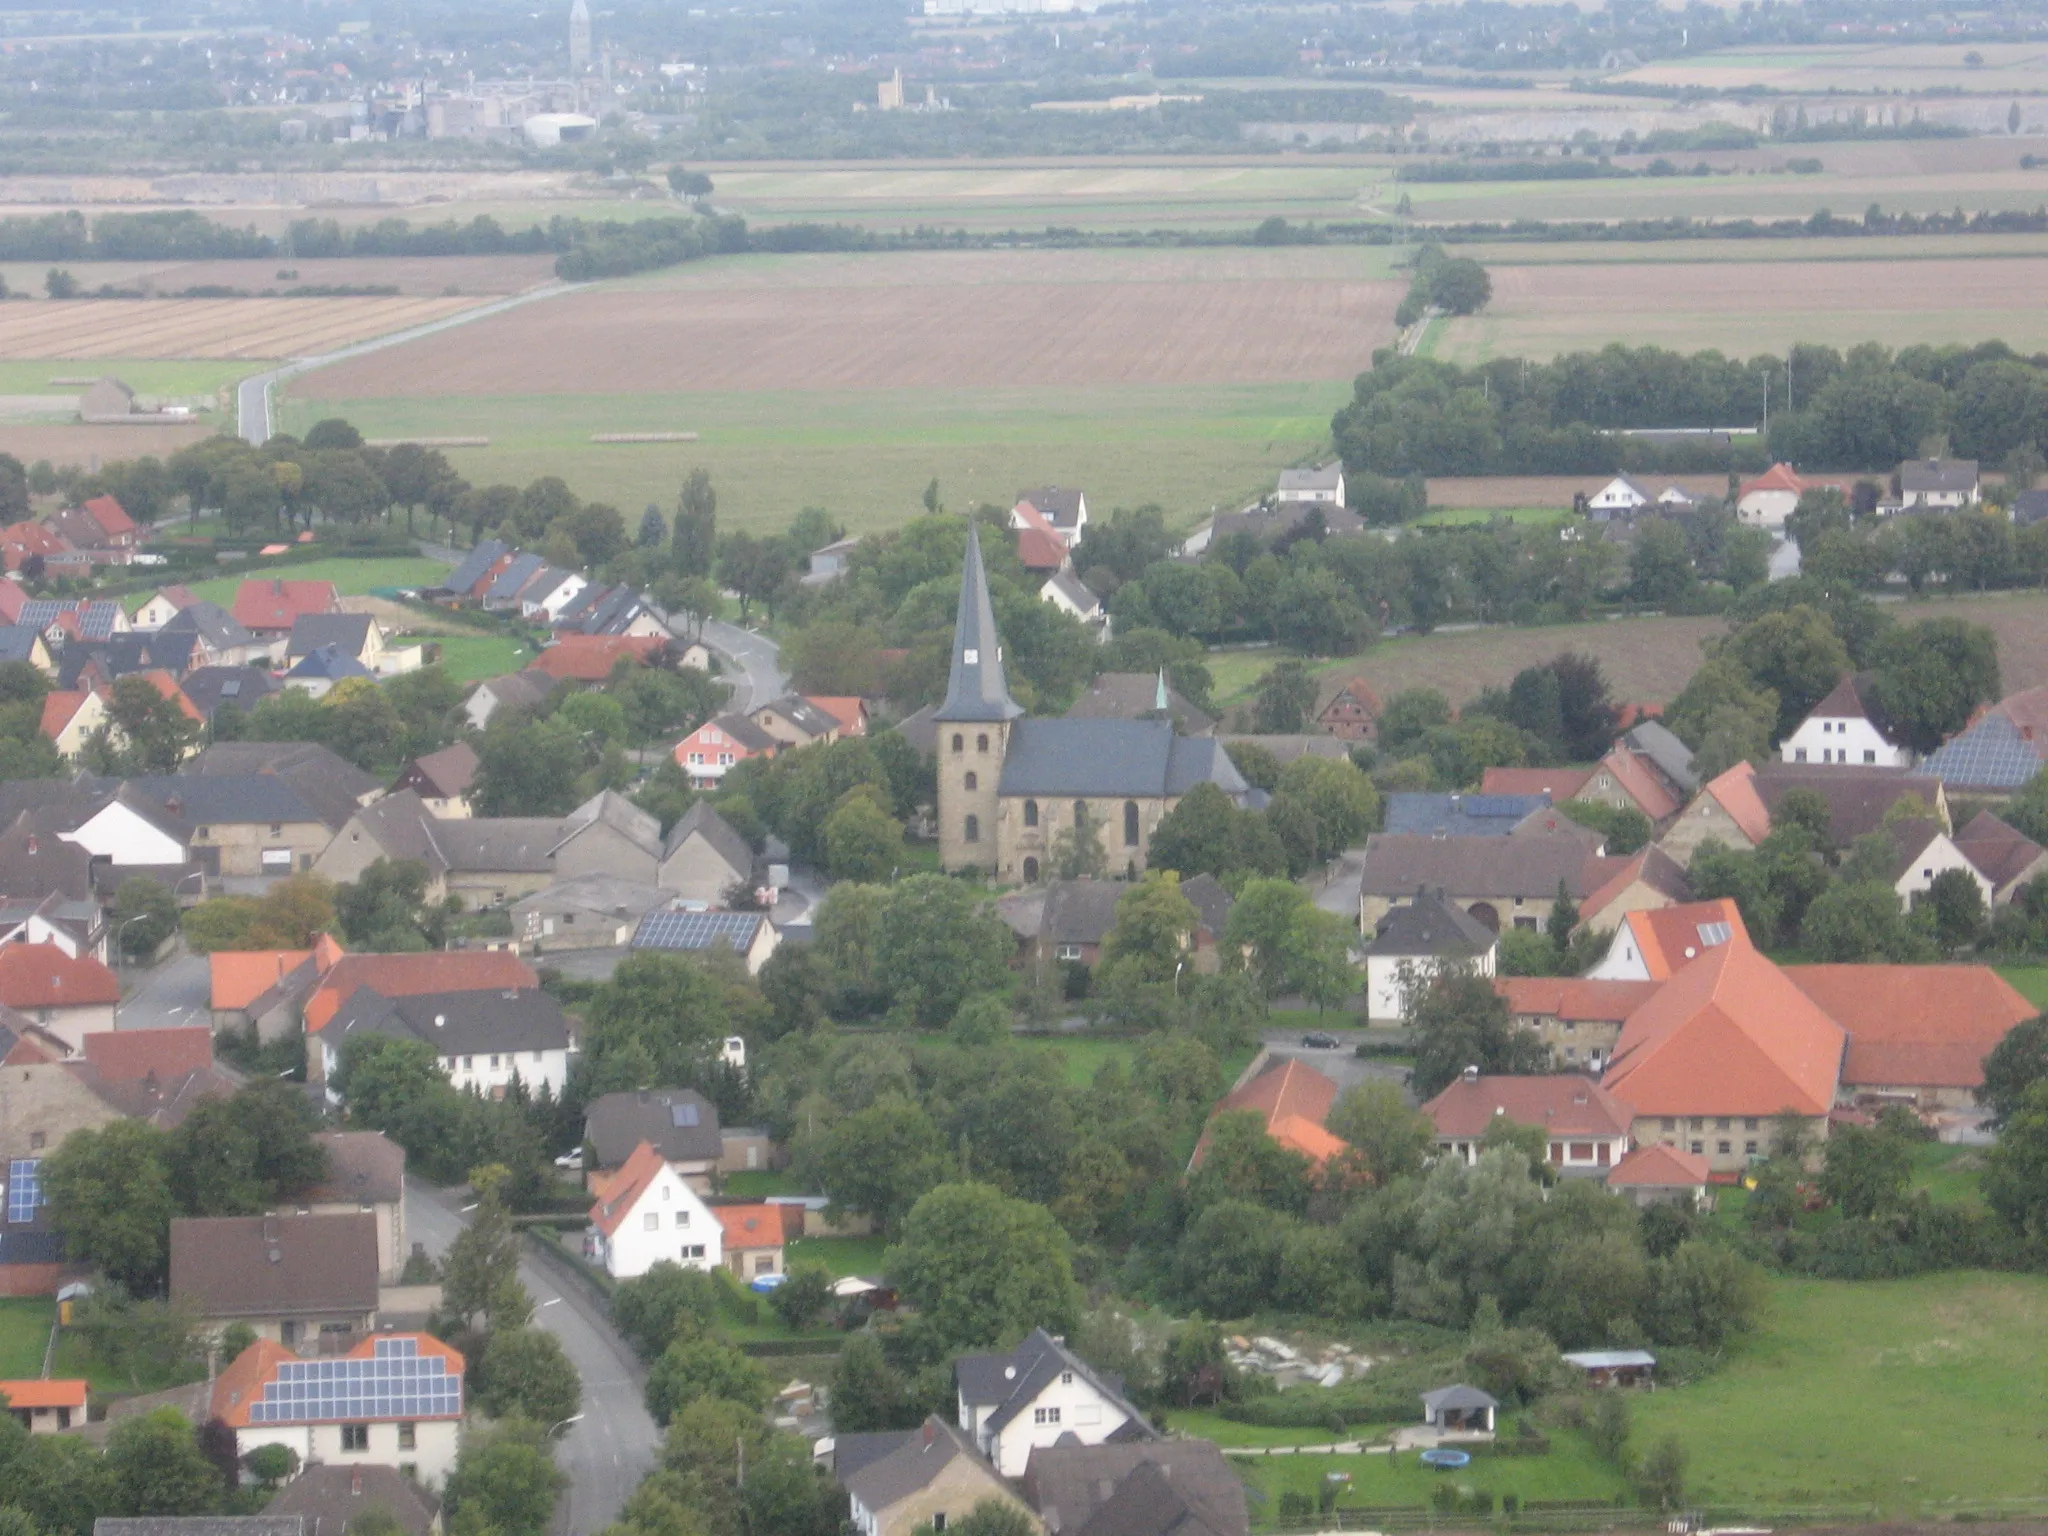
(1318, 1040)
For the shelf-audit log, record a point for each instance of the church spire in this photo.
(976, 690)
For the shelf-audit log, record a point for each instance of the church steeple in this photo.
(976, 690)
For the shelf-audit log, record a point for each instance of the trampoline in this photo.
(1443, 1459)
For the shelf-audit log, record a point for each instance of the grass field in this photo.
(150, 377)
(841, 1255)
(351, 578)
(1390, 1481)
(2030, 981)
(24, 1334)
(1450, 517)
(1905, 1394)
(2001, 68)
(471, 658)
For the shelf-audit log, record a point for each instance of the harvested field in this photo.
(415, 276)
(2003, 67)
(223, 328)
(947, 321)
(1744, 310)
(89, 447)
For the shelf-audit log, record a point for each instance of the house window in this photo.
(1749, 1148)
(959, 742)
(981, 742)
(494, 1061)
(973, 829)
(408, 1437)
(1066, 952)
(667, 1193)
(1066, 1378)
(1130, 823)
(35, 1141)
(355, 1437)
(693, 1250)
(1723, 1148)
(277, 829)
(1750, 1123)
(696, 759)
(974, 781)
(1030, 813)
(24, 1188)
(939, 1521)
(651, 1222)
(1799, 756)
(682, 1218)
(1670, 1124)
(1699, 1149)
(1045, 1415)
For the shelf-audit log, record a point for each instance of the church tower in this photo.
(974, 725)
(579, 37)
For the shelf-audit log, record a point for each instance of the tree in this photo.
(333, 432)
(1392, 1137)
(1285, 696)
(1154, 926)
(1931, 676)
(696, 529)
(480, 1276)
(868, 1393)
(1460, 1021)
(1241, 1162)
(386, 909)
(110, 1199)
(1866, 1171)
(938, 943)
(877, 1162)
(991, 1517)
(1077, 851)
(804, 1296)
(1956, 901)
(527, 1373)
(1340, 801)
(147, 731)
(2016, 1166)
(235, 1156)
(155, 1467)
(753, 568)
(2015, 1065)
(1660, 569)
(694, 1367)
(1856, 922)
(1661, 1481)
(145, 914)
(1706, 1294)
(505, 1482)
(1459, 286)
(666, 1301)
(1796, 654)
(982, 1267)
(1289, 944)
(60, 284)
(1607, 1429)
(863, 841)
(527, 767)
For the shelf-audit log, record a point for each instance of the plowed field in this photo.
(224, 328)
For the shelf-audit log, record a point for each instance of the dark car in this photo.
(1317, 1040)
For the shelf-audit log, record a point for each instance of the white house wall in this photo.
(1845, 741)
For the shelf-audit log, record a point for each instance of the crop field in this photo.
(1743, 310)
(411, 275)
(206, 328)
(89, 447)
(2002, 68)
(1188, 379)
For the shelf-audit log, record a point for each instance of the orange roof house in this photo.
(851, 712)
(115, 525)
(1647, 880)
(1587, 1128)
(167, 685)
(45, 1394)
(1039, 544)
(755, 1236)
(130, 1055)
(248, 1380)
(270, 607)
(1658, 1171)
(590, 658)
(1919, 1030)
(1581, 999)
(37, 977)
(1561, 784)
(71, 714)
(1729, 809)
(243, 977)
(1294, 1100)
(1637, 778)
(415, 976)
(1656, 945)
(1729, 1035)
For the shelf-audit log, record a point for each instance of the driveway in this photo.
(1341, 1066)
(177, 993)
(616, 1443)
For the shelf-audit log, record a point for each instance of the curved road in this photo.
(616, 1443)
(252, 396)
(754, 664)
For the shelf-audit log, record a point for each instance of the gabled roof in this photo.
(1110, 758)
(34, 861)
(1779, 477)
(478, 970)
(449, 772)
(1008, 1384)
(1430, 926)
(1642, 783)
(1671, 938)
(1287, 1089)
(1670, 756)
(1039, 544)
(2000, 750)
(687, 931)
(481, 557)
(1580, 999)
(1058, 506)
(1655, 1166)
(112, 517)
(1859, 798)
(458, 1023)
(276, 604)
(18, 642)
(508, 583)
(1938, 475)
(1143, 1488)
(1134, 696)
(1339, 685)
(1915, 1025)
(1322, 477)
(36, 976)
(614, 810)
(1854, 698)
(1558, 784)
(191, 800)
(801, 713)
(622, 1192)
(1730, 1034)
(1076, 591)
(1459, 1397)
(1997, 850)
(1735, 791)
(129, 1055)
(275, 1266)
(61, 707)
(702, 820)
(886, 1481)
(1463, 815)
(348, 633)
(590, 658)
(1211, 901)
(1080, 911)
(330, 1499)
(244, 687)
(365, 1166)
(739, 730)
(604, 896)
(331, 662)
(1648, 866)
(387, 1376)
(976, 688)
(334, 787)
(520, 690)
(45, 1393)
(1471, 868)
(1564, 1105)
(679, 1123)
(211, 622)
(756, 1226)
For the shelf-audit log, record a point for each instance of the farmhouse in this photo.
(1294, 1101)
(290, 1278)
(1577, 1017)
(1848, 726)
(1918, 1034)
(1729, 810)
(1003, 803)
(1504, 882)
(1938, 484)
(899, 1482)
(719, 744)
(1037, 1395)
(1587, 1127)
(1348, 708)
(646, 1214)
(1860, 800)
(2005, 856)
(1065, 511)
(755, 1236)
(1655, 946)
(483, 1040)
(1997, 753)
(1415, 942)
(1321, 486)
(1770, 498)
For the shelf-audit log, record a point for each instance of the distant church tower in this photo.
(579, 37)
(974, 725)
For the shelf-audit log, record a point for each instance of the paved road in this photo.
(176, 994)
(615, 1445)
(252, 396)
(755, 664)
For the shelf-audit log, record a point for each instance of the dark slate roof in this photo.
(702, 820)
(748, 734)
(1134, 696)
(329, 661)
(1672, 757)
(331, 1498)
(2029, 507)
(680, 1122)
(1075, 590)
(1140, 758)
(274, 1266)
(803, 714)
(18, 642)
(201, 1525)
(622, 816)
(361, 1165)
(450, 772)
(513, 578)
(505, 844)
(1057, 505)
(1531, 866)
(1938, 475)
(459, 1023)
(1430, 925)
(223, 798)
(976, 688)
(1146, 1488)
(485, 554)
(244, 687)
(1461, 815)
(324, 779)
(1459, 1397)
(212, 623)
(1858, 798)
(35, 862)
(1211, 901)
(888, 1480)
(852, 1452)
(521, 690)
(1080, 911)
(1007, 1384)
(345, 632)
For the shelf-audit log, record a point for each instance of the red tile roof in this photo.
(1730, 1034)
(1915, 1025)
(1578, 998)
(129, 1055)
(1565, 1105)
(617, 1195)
(242, 976)
(1300, 1134)
(241, 1385)
(276, 605)
(590, 658)
(112, 517)
(44, 1394)
(851, 711)
(1039, 544)
(1998, 851)
(60, 705)
(42, 976)
(754, 1226)
(167, 685)
(1660, 1167)
(1669, 939)
(1779, 477)
(1649, 865)
(1642, 782)
(1286, 1091)
(1736, 793)
(1558, 783)
(415, 975)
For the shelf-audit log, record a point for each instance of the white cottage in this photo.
(646, 1213)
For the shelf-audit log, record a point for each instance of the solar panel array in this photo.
(95, 618)
(396, 1384)
(695, 930)
(24, 1188)
(1990, 755)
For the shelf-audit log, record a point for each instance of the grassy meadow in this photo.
(351, 578)
(24, 1335)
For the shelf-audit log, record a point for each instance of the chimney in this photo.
(32, 844)
(1471, 1074)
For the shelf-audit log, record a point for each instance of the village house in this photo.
(1320, 486)
(593, 911)
(1587, 1128)
(684, 928)
(1036, 1395)
(755, 1236)
(242, 825)
(1294, 1100)
(1622, 494)
(1860, 800)
(1938, 485)
(70, 715)
(303, 1281)
(1770, 498)
(1064, 921)
(162, 606)
(1729, 810)
(1647, 880)
(331, 1500)
(71, 996)
(99, 528)
(2005, 856)
(830, 562)
(394, 1400)
(357, 636)
(484, 1041)
(46, 1407)
(1185, 1487)
(442, 780)
(1848, 727)
(271, 606)
(1922, 850)
(721, 743)
(211, 689)
(1065, 511)
(702, 857)
(899, 1482)
(366, 1173)
(1073, 597)
(795, 721)
(1418, 941)
(210, 636)
(319, 672)
(263, 989)
(415, 975)
(1655, 946)
(647, 1214)
(1348, 708)
(1579, 1018)
(514, 691)
(679, 1123)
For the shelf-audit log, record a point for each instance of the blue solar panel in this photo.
(24, 1188)
(696, 930)
(1992, 754)
(396, 1383)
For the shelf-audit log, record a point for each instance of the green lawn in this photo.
(841, 1255)
(866, 455)
(471, 658)
(182, 379)
(74, 1359)
(2030, 981)
(1394, 1481)
(1444, 517)
(24, 1334)
(760, 1183)
(1904, 1394)
(1948, 1174)
(351, 578)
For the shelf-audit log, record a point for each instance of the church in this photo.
(1010, 786)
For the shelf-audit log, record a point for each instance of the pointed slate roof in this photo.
(977, 689)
